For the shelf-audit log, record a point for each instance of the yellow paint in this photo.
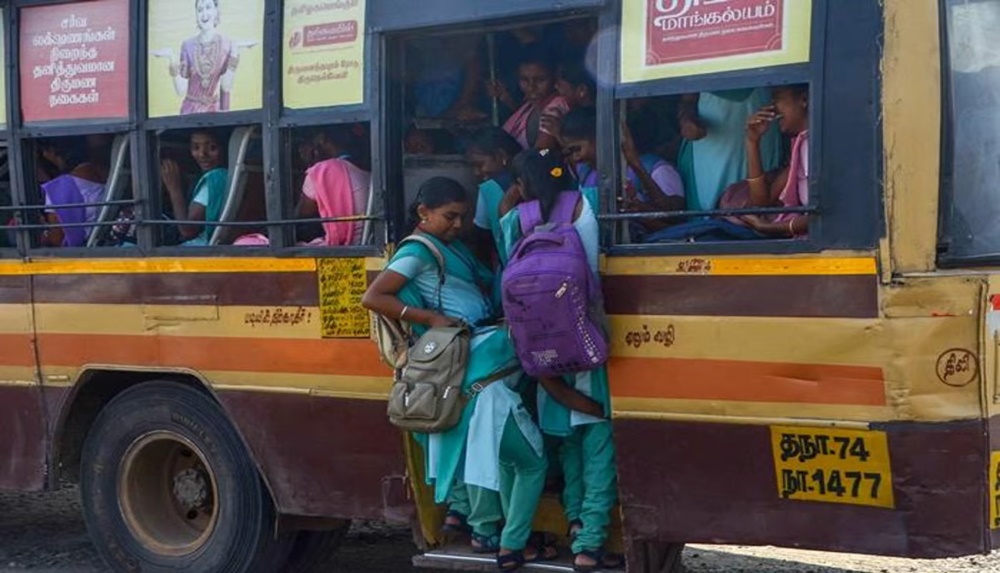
(171, 265)
(15, 319)
(342, 283)
(796, 35)
(993, 496)
(280, 322)
(911, 114)
(727, 266)
(753, 413)
(832, 465)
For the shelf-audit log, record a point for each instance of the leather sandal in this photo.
(602, 560)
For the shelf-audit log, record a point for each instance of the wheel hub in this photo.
(191, 488)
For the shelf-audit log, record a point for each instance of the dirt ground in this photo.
(44, 533)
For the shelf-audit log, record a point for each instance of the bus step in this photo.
(461, 558)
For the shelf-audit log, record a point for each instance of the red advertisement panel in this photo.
(689, 30)
(74, 61)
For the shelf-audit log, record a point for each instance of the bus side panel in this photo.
(328, 457)
(22, 423)
(716, 483)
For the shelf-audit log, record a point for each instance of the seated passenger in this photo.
(712, 155)
(335, 187)
(490, 155)
(652, 183)
(537, 81)
(575, 408)
(209, 194)
(70, 185)
(790, 187)
(496, 443)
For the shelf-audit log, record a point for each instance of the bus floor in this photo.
(458, 556)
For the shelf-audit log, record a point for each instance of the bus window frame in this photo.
(21, 134)
(612, 93)
(946, 193)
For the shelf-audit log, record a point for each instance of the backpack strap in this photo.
(562, 211)
(530, 213)
(438, 258)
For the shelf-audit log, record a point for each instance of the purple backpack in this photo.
(550, 295)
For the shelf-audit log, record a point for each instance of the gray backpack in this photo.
(426, 395)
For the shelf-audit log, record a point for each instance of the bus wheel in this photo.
(167, 485)
(314, 551)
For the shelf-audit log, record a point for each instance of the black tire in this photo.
(314, 551)
(167, 486)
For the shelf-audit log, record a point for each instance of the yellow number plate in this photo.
(832, 465)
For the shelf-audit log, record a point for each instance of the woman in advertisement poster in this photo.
(205, 72)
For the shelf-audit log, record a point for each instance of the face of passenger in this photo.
(793, 108)
(486, 165)
(205, 151)
(536, 82)
(208, 14)
(444, 222)
(580, 150)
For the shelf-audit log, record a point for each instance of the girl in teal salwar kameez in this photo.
(586, 453)
(496, 447)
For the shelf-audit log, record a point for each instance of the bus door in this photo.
(439, 103)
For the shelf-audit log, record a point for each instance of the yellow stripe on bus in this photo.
(722, 266)
(168, 265)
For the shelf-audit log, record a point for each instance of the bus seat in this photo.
(118, 179)
(239, 145)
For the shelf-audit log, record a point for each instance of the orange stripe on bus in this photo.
(15, 350)
(342, 357)
(739, 381)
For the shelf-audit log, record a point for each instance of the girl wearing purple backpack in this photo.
(496, 447)
(575, 408)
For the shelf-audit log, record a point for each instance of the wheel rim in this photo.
(168, 494)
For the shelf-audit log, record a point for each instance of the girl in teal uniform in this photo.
(587, 452)
(490, 155)
(209, 194)
(497, 446)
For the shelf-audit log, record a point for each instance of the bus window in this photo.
(331, 174)
(727, 150)
(970, 228)
(207, 176)
(82, 183)
(460, 85)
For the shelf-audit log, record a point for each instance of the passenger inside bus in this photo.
(208, 195)
(652, 183)
(71, 171)
(790, 187)
(537, 81)
(490, 155)
(337, 183)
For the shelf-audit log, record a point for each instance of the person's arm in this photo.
(757, 126)
(510, 199)
(790, 228)
(692, 128)
(170, 173)
(658, 198)
(570, 397)
(381, 297)
(180, 72)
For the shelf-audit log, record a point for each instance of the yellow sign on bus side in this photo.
(832, 465)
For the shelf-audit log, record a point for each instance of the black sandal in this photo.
(483, 544)
(511, 561)
(602, 560)
(544, 546)
(460, 526)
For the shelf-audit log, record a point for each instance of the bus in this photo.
(184, 341)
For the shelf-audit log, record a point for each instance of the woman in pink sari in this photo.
(205, 72)
(531, 123)
(789, 187)
(335, 187)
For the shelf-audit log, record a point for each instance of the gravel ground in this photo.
(44, 533)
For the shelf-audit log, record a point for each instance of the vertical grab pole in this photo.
(491, 47)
